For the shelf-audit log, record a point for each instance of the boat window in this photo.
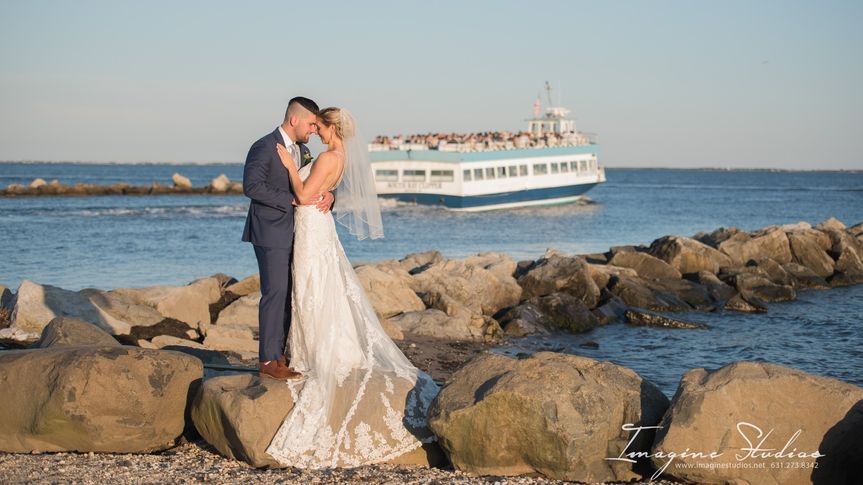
(522, 170)
(583, 165)
(442, 176)
(573, 165)
(467, 175)
(540, 169)
(513, 171)
(564, 167)
(554, 168)
(501, 172)
(387, 175)
(489, 173)
(593, 165)
(477, 174)
(414, 176)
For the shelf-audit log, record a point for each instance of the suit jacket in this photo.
(270, 221)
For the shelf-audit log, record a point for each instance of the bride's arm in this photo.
(308, 192)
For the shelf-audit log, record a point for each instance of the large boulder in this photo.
(6, 297)
(769, 243)
(233, 337)
(243, 311)
(246, 286)
(189, 304)
(762, 288)
(73, 332)
(555, 273)
(36, 305)
(647, 266)
(562, 311)
(94, 398)
(451, 284)
(500, 265)
(688, 255)
(719, 291)
(804, 277)
(240, 414)
(847, 251)
(558, 415)
(436, 323)
(807, 251)
(636, 292)
(749, 405)
(389, 290)
(524, 319)
(419, 262)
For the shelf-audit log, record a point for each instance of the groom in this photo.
(270, 228)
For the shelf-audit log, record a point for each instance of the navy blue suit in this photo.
(270, 229)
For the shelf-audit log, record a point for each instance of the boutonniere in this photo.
(307, 157)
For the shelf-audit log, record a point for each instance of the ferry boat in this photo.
(550, 163)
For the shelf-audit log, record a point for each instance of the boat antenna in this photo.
(548, 90)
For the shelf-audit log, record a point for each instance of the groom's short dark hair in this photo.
(305, 103)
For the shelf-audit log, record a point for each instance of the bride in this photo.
(360, 400)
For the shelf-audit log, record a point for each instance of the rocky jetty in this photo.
(133, 370)
(180, 185)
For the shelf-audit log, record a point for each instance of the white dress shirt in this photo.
(292, 147)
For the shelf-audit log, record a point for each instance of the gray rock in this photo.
(524, 319)
(102, 399)
(715, 238)
(613, 309)
(555, 273)
(739, 303)
(73, 332)
(552, 414)
(642, 318)
(689, 292)
(562, 311)
(636, 292)
(763, 288)
(719, 291)
(804, 277)
(725, 410)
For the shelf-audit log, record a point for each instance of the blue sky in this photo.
(772, 84)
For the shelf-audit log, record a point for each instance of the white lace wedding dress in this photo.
(361, 401)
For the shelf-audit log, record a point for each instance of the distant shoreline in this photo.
(215, 164)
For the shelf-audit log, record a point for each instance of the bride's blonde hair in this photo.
(343, 125)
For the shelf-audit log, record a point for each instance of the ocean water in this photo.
(127, 241)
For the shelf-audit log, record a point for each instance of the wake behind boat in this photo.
(550, 163)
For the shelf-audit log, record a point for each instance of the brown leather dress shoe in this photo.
(275, 370)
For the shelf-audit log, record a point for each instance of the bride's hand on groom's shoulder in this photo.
(285, 156)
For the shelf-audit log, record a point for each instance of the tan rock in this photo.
(239, 415)
(161, 341)
(102, 399)
(73, 332)
(832, 223)
(688, 255)
(389, 290)
(552, 414)
(469, 286)
(645, 265)
(189, 304)
(36, 305)
(36, 183)
(809, 253)
(232, 337)
(725, 410)
(771, 243)
(436, 323)
(181, 181)
(220, 183)
(243, 311)
(555, 273)
(246, 286)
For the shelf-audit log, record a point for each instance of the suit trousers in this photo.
(274, 311)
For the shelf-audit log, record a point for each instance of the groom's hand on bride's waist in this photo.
(326, 203)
